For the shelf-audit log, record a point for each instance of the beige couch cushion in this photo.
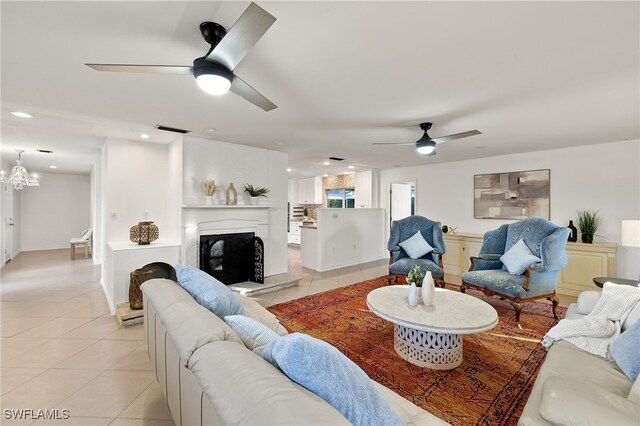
(578, 402)
(245, 389)
(568, 362)
(259, 313)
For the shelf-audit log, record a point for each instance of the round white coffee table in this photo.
(431, 336)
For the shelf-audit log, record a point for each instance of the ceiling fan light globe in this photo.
(213, 84)
(426, 147)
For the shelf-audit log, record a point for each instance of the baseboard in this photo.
(344, 265)
(112, 306)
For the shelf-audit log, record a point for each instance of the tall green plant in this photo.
(588, 221)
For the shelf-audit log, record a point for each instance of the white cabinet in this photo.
(310, 190)
(293, 237)
(292, 191)
(584, 261)
(364, 182)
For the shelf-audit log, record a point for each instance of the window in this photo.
(341, 198)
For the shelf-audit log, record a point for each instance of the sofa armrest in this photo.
(571, 402)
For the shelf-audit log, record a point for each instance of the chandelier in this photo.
(19, 176)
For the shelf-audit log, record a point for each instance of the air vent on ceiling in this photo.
(336, 158)
(45, 151)
(172, 129)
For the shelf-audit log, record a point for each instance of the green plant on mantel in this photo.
(588, 222)
(255, 192)
(209, 187)
(415, 276)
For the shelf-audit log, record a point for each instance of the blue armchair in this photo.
(488, 274)
(400, 263)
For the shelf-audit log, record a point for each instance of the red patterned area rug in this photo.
(491, 385)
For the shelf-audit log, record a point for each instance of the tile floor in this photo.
(60, 348)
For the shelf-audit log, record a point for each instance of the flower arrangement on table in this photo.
(415, 276)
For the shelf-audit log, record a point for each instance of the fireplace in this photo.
(233, 258)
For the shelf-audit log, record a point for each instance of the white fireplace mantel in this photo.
(222, 206)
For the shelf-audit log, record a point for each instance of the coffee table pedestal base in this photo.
(438, 351)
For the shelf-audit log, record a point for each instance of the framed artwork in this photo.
(512, 195)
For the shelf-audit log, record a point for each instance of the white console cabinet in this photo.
(584, 261)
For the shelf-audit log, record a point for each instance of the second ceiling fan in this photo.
(214, 71)
(426, 144)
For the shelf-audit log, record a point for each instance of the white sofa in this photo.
(209, 377)
(579, 388)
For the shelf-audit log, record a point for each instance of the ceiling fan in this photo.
(214, 71)
(426, 144)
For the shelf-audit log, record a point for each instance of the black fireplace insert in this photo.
(233, 258)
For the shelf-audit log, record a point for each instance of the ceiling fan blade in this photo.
(456, 136)
(239, 87)
(151, 69)
(395, 143)
(248, 29)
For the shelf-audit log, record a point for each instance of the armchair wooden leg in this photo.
(463, 287)
(440, 282)
(518, 307)
(554, 300)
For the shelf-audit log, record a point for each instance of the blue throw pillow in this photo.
(208, 291)
(624, 351)
(325, 371)
(252, 333)
(518, 258)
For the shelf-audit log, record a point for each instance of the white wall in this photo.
(55, 211)
(348, 237)
(136, 182)
(604, 177)
(238, 164)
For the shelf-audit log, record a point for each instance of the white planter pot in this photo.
(413, 294)
(208, 200)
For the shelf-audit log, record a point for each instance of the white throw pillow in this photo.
(518, 258)
(416, 246)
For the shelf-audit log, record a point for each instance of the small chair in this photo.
(400, 262)
(83, 241)
(538, 280)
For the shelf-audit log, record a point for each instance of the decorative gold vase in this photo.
(144, 233)
(232, 195)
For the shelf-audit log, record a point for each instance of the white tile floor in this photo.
(60, 348)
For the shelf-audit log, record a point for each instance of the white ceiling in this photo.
(528, 75)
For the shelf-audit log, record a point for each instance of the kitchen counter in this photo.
(309, 226)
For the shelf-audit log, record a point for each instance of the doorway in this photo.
(402, 200)
(7, 223)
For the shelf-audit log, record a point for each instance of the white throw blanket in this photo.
(601, 326)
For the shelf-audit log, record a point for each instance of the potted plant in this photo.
(415, 276)
(209, 188)
(414, 279)
(256, 192)
(588, 222)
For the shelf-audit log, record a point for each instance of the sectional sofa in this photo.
(575, 387)
(209, 377)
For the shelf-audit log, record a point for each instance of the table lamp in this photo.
(631, 233)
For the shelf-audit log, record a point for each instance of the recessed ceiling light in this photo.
(479, 147)
(325, 175)
(326, 163)
(289, 169)
(210, 129)
(22, 114)
(279, 143)
(144, 136)
(53, 167)
(350, 167)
